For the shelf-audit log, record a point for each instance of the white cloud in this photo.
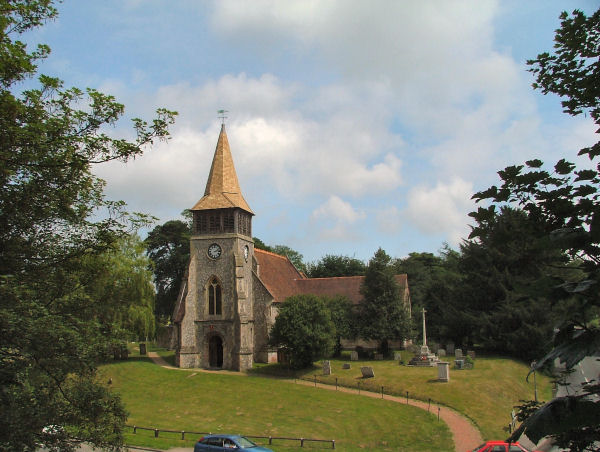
(441, 210)
(337, 210)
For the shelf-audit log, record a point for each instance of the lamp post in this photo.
(533, 367)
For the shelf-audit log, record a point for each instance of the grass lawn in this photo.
(486, 394)
(204, 402)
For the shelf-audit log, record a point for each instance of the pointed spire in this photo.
(222, 188)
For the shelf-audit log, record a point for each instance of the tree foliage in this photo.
(123, 280)
(332, 265)
(54, 221)
(303, 328)
(564, 201)
(382, 314)
(434, 282)
(294, 256)
(168, 247)
(343, 317)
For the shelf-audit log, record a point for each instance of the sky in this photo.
(353, 124)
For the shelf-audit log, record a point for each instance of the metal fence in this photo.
(270, 439)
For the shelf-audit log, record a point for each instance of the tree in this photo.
(259, 244)
(303, 328)
(332, 265)
(565, 201)
(344, 320)
(54, 220)
(123, 280)
(508, 269)
(434, 282)
(382, 314)
(168, 246)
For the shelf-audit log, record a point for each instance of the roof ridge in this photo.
(272, 253)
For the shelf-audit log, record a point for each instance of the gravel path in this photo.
(465, 435)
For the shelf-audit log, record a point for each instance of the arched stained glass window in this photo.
(214, 297)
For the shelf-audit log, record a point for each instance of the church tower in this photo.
(215, 306)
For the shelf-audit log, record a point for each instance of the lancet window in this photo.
(215, 303)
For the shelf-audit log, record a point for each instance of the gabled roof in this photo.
(222, 188)
(283, 280)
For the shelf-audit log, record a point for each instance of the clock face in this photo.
(214, 251)
(246, 252)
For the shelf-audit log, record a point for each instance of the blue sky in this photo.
(353, 124)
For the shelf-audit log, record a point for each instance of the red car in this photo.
(499, 446)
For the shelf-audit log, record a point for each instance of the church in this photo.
(230, 294)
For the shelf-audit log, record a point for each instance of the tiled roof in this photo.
(283, 280)
(222, 188)
(278, 274)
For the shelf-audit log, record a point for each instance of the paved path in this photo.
(465, 435)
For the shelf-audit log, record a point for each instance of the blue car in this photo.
(227, 443)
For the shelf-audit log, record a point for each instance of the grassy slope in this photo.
(186, 400)
(486, 394)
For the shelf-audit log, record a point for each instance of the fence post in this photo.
(156, 433)
(439, 413)
(359, 387)
(270, 440)
(382, 392)
(182, 435)
(315, 381)
(407, 397)
(336, 383)
(333, 443)
(301, 442)
(429, 406)
(134, 429)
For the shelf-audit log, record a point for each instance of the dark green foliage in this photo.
(259, 244)
(565, 204)
(509, 270)
(168, 246)
(344, 319)
(333, 265)
(54, 326)
(434, 282)
(382, 314)
(303, 328)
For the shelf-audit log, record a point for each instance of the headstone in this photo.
(471, 353)
(397, 356)
(326, 368)
(367, 372)
(142, 348)
(443, 371)
(459, 364)
(458, 354)
(346, 366)
(450, 348)
(378, 357)
(354, 356)
(441, 353)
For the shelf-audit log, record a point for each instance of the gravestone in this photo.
(397, 356)
(441, 353)
(443, 371)
(458, 354)
(346, 366)
(471, 353)
(326, 368)
(378, 357)
(450, 348)
(354, 356)
(142, 348)
(367, 372)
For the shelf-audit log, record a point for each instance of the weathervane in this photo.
(222, 115)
